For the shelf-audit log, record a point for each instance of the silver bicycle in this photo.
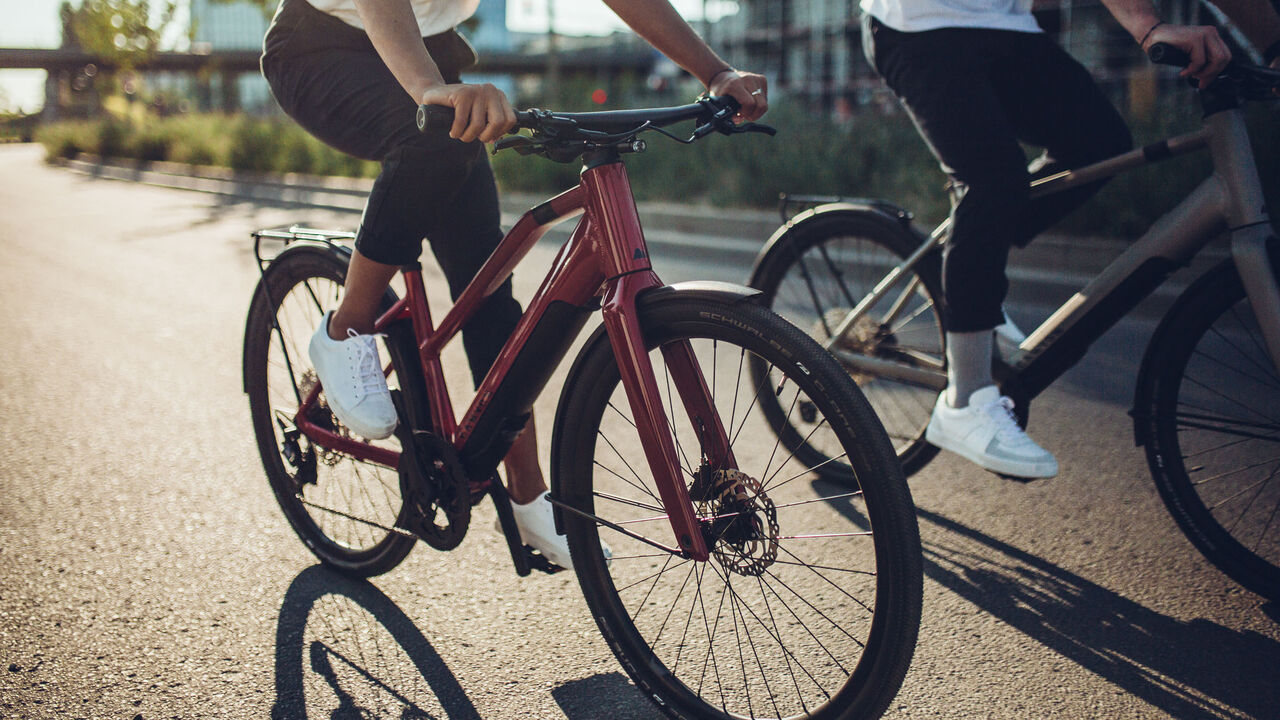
(867, 284)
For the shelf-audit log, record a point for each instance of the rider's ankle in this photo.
(339, 327)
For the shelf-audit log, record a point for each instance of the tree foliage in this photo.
(123, 32)
(267, 6)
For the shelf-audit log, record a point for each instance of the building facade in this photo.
(229, 26)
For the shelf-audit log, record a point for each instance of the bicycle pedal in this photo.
(538, 561)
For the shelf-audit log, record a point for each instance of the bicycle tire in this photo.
(816, 271)
(328, 498)
(850, 674)
(1209, 413)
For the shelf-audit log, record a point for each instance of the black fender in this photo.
(731, 293)
(891, 217)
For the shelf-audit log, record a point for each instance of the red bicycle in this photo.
(742, 583)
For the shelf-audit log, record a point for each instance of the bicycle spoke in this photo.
(1219, 476)
(1264, 381)
(672, 607)
(1270, 518)
(1237, 494)
(800, 621)
(1261, 486)
(640, 486)
(1230, 400)
(625, 501)
(656, 578)
(826, 579)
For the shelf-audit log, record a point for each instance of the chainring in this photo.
(435, 489)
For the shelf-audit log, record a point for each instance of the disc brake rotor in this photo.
(742, 527)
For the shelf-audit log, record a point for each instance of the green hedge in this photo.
(871, 156)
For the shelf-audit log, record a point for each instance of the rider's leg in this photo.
(524, 475)
(362, 297)
(944, 80)
(1061, 108)
(968, 365)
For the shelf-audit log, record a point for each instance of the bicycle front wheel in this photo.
(813, 276)
(810, 603)
(1210, 405)
(347, 512)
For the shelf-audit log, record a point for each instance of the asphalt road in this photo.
(146, 571)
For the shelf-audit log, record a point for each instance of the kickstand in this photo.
(507, 521)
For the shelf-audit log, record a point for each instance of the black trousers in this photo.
(327, 76)
(974, 94)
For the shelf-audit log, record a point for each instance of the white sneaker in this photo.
(987, 433)
(351, 374)
(1008, 337)
(536, 521)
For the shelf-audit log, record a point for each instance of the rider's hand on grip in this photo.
(434, 117)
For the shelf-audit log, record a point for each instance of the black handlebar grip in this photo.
(1164, 54)
(434, 117)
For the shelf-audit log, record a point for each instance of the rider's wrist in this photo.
(712, 78)
(1147, 35)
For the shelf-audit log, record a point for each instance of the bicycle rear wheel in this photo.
(810, 603)
(1210, 409)
(818, 271)
(349, 513)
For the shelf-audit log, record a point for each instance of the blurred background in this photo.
(178, 81)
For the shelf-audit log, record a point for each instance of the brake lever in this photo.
(726, 126)
(522, 144)
(755, 127)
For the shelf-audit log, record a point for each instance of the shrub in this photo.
(255, 145)
(64, 140)
(112, 139)
(150, 142)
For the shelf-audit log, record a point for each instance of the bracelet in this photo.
(1143, 42)
(711, 80)
(1271, 53)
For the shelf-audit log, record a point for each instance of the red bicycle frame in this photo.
(605, 258)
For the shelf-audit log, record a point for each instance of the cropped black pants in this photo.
(327, 76)
(974, 94)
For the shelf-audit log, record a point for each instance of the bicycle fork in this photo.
(624, 258)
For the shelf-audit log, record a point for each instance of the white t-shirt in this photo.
(917, 15)
(434, 16)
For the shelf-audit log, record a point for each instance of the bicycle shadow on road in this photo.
(607, 695)
(1195, 669)
(347, 649)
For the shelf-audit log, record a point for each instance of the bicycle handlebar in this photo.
(562, 136)
(1243, 73)
(609, 121)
